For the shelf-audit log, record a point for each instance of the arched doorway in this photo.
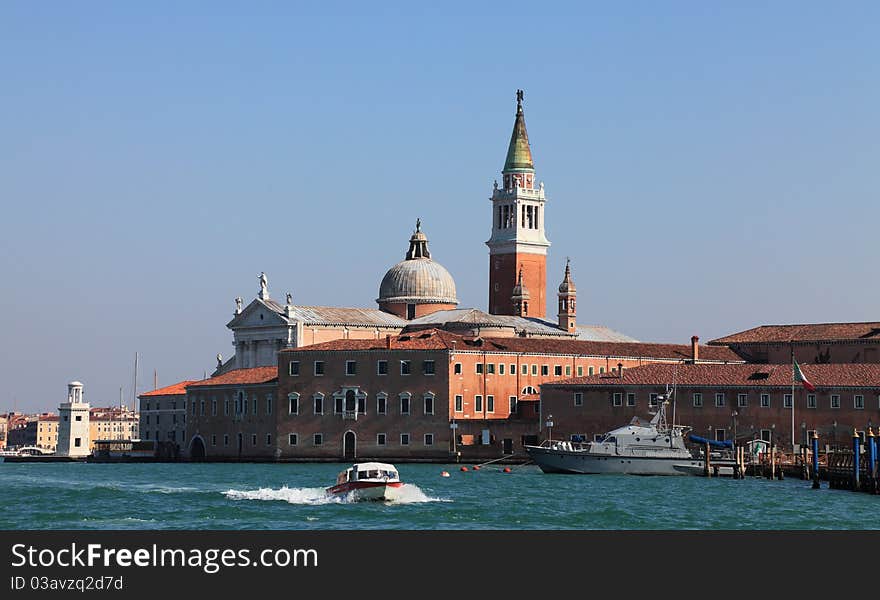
(349, 445)
(197, 448)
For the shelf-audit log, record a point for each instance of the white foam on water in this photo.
(409, 494)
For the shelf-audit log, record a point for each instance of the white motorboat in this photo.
(368, 481)
(639, 448)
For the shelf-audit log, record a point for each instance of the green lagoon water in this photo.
(291, 496)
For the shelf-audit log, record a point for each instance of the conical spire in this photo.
(520, 292)
(519, 154)
(567, 285)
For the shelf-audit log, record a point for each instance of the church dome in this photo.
(417, 279)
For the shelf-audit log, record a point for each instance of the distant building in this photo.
(47, 431)
(73, 432)
(3, 422)
(818, 343)
(21, 430)
(163, 414)
(112, 423)
(752, 400)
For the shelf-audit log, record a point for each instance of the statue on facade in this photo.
(264, 286)
(238, 305)
(289, 298)
(219, 360)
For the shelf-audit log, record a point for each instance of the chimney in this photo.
(695, 349)
(620, 370)
(388, 342)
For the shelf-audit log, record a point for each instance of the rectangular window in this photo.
(318, 439)
(765, 400)
(766, 434)
(525, 369)
(292, 439)
(512, 371)
(201, 407)
(253, 439)
(458, 404)
(478, 403)
(601, 370)
(858, 402)
(581, 371)
(351, 367)
(293, 404)
(404, 367)
(511, 401)
(380, 439)
(630, 399)
(268, 404)
(557, 370)
(479, 368)
(213, 407)
(720, 435)
(742, 400)
(534, 369)
(225, 439)
(490, 404)
(337, 405)
(811, 400)
(653, 400)
(319, 367)
(428, 367)
(578, 399)
(545, 370)
(319, 405)
(382, 367)
(404, 405)
(835, 401)
(255, 406)
(719, 400)
(617, 399)
(362, 404)
(501, 368)
(786, 401)
(268, 439)
(293, 368)
(226, 407)
(490, 369)
(381, 405)
(429, 405)
(429, 439)
(404, 439)
(457, 369)
(567, 370)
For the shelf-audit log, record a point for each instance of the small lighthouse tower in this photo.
(73, 430)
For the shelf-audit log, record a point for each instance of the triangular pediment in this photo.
(258, 313)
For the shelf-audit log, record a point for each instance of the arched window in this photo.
(428, 399)
(293, 403)
(529, 390)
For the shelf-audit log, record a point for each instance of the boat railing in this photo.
(564, 445)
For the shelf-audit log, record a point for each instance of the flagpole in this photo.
(792, 400)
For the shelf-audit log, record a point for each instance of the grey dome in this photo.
(418, 279)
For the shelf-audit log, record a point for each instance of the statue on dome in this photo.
(418, 225)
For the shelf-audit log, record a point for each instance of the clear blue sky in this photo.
(709, 167)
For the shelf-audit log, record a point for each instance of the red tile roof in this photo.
(810, 332)
(734, 375)
(177, 389)
(436, 339)
(240, 376)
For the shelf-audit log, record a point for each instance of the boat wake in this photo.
(409, 494)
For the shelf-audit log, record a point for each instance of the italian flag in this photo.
(799, 376)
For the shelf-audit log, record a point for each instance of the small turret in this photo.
(567, 301)
(520, 297)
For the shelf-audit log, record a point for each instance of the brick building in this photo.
(233, 415)
(396, 398)
(716, 400)
(163, 414)
(811, 342)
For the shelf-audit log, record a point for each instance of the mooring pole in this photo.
(856, 447)
(872, 458)
(814, 439)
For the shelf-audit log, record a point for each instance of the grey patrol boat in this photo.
(639, 448)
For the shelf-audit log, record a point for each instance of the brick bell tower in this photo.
(518, 244)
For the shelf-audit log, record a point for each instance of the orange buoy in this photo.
(444, 474)
(476, 467)
(464, 468)
(507, 469)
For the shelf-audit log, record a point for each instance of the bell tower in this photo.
(518, 246)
